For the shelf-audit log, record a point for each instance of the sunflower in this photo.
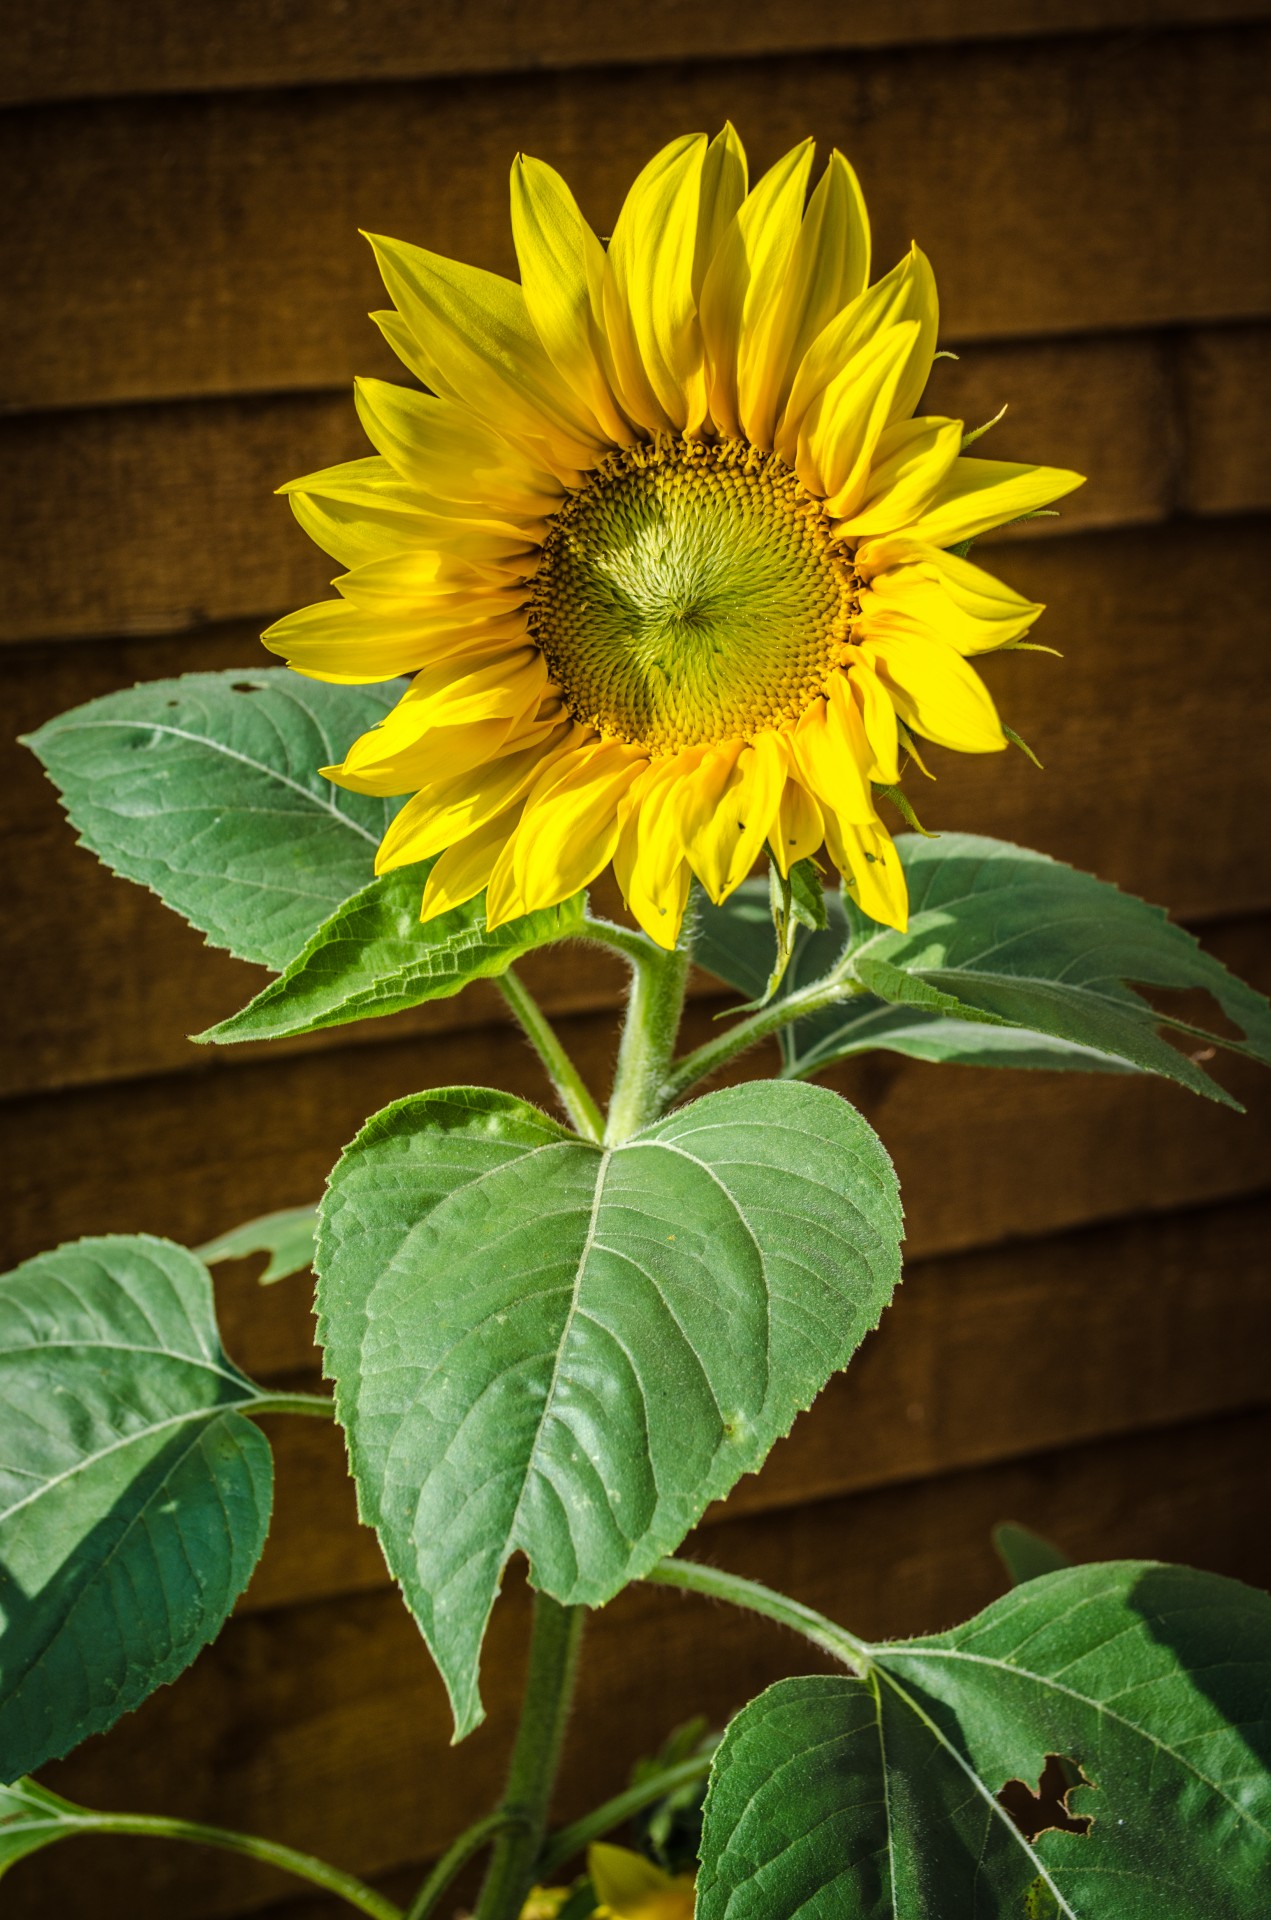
(672, 564)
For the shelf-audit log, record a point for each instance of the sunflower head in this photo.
(662, 544)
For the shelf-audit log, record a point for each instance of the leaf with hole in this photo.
(286, 1236)
(910, 1793)
(541, 1345)
(374, 957)
(206, 789)
(134, 1496)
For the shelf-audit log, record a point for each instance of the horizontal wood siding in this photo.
(1080, 1340)
(209, 243)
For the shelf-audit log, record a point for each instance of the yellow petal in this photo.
(909, 462)
(867, 859)
(656, 894)
(828, 268)
(425, 578)
(905, 295)
(562, 274)
(933, 689)
(408, 350)
(724, 181)
(878, 716)
(447, 453)
(567, 832)
(841, 428)
(649, 860)
(475, 328)
(650, 311)
(445, 813)
(621, 1877)
(832, 755)
(447, 721)
(745, 275)
(978, 494)
(800, 828)
(946, 595)
(727, 807)
(465, 867)
(350, 645)
(365, 511)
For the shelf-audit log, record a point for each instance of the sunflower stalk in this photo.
(549, 1686)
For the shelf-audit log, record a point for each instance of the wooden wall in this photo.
(1080, 1342)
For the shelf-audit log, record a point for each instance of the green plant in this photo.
(563, 1339)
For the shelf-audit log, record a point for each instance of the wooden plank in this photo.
(1162, 806)
(325, 1725)
(61, 51)
(209, 244)
(983, 1357)
(176, 524)
(1225, 382)
(982, 1156)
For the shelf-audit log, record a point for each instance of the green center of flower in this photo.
(691, 593)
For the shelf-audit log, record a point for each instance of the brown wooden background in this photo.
(1081, 1339)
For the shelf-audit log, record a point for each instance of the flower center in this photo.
(691, 593)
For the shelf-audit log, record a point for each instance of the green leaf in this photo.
(1004, 936)
(287, 1237)
(374, 957)
(30, 1818)
(541, 1345)
(839, 1798)
(1025, 1554)
(736, 943)
(206, 789)
(134, 1496)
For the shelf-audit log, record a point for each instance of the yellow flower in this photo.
(627, 1887)
(662, 546)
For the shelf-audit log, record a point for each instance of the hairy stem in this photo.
(694, 1577)
(549, 1688)
(603, 1819)
(648, 1041)
(455, 1858)
(303, 1865)
(635, 947)
(713, 1054)
(571, 1089)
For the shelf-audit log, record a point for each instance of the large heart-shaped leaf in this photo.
(373, 957)
(1002, 935)
(1147, 1688)
(206, 789)
(541, 1345)
(134, 1496)
(736, 942)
